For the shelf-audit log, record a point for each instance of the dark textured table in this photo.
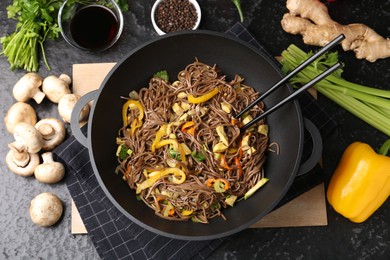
(341, 239)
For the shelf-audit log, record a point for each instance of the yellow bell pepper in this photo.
(133, 104)
(160, 133)
(203, 98)
(361, 181)
(153, 177)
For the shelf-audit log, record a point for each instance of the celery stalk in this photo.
(369, 104)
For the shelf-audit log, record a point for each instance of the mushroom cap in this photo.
(55, 88)
(66, 78)
(66, 105)
(46, 209)
(49, 171)
(19, 112)
(27, 138)
(52, 131)
(22, 163)
(28, 87)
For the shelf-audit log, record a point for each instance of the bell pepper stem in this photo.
(384, 148)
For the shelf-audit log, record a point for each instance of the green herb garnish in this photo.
(198, 156)
(124, 152)
(37, 22)
(174, 154)
(163, 74)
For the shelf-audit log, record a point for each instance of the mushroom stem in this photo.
(46, 131)
(21, 162)
(21, 159)
(52, 131)
(49, 171)
(47, 157)
(28, 87)
(38, 96)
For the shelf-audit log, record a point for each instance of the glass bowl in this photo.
(92, 25)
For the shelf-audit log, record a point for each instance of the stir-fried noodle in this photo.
(180, 147)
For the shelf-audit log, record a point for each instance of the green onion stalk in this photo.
(372, 105)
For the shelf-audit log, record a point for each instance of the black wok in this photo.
(172, 53)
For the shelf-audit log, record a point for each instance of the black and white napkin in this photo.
(116, 237)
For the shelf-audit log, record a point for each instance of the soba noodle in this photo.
(181, 149)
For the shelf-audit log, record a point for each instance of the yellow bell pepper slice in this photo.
(203, 98)
(153, 177)
(160, 133)
(361, 182)
(173, 142)
(175, 145)
(136, 123)
(186, 212)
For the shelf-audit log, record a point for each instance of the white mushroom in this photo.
(66, 105)
(46, 209)
(28, 87)
(19, 112)
(52, 131)
(21, 163)
(55, 88)
(49, 171)
(27, 138)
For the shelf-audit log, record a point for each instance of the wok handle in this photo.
(316, 152)
(74, 121)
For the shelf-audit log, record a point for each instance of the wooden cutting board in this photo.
(308, 209)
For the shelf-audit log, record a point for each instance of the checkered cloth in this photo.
(115, 236)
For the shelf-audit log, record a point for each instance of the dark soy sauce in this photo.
(94, 27)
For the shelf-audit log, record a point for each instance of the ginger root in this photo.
(311, 19)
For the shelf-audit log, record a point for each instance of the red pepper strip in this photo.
(241, 153)
(235, 121)
(221, 185)
(127, 172)
(217, 182)
(227, 183)
(224, 163)
(171, 212)
(210, 182)
(189, 127)
(238, 164)
(191, 131)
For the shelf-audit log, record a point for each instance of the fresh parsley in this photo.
(37, 22)
(163, 74)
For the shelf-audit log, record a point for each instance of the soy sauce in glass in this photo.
(94, 27)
